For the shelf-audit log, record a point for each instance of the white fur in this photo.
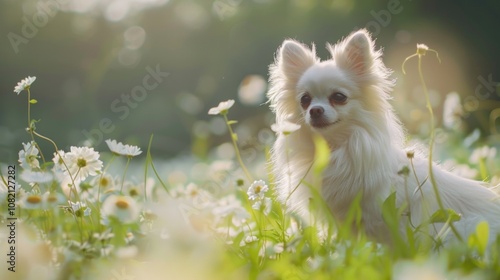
(366, 141)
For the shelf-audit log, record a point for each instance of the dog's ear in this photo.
(356, 53)
(294, 58)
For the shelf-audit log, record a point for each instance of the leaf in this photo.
(322, 155)
(231, 122)
(33, 101)
(444, 215)
(235, 137)
(479, 239)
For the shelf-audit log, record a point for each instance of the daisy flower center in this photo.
(193, 193)
(258, 189)
(104, 182)
(34, 199)
(121, 204)
(81, 162)
(134, 192)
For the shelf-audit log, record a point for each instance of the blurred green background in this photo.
(88, 56)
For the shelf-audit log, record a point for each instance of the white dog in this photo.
(345, 100)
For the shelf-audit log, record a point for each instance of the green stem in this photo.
(149, 159)
(237, 151)
(124, 173)
(113, 156)
(99, 189)
(31, 130)
(431, 145)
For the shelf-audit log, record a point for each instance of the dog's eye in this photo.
(305, 100)
(338, 98)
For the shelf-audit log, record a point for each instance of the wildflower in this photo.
(32, 201)
(222, 108)
(53, 199)
(285, 127)
(80, 208)
(263, 205)
(132, 189)
(452, 110)
(123, 150)
(257, 190)
(82, 162)
(197, 196)
(410, 154)
(36, 176)
(24, 84)
(483, 153)
(220, 168)
(123, 208)
(28, 156)
(58, 160)
(271, 250)
(422, 49)
(249, 239)
(230, 205)
(106, 182)
(104, 236)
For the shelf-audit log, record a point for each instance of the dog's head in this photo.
(333, 94)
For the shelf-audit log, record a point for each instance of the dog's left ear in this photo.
(355, 53)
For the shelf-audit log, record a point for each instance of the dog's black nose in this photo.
(316, 112)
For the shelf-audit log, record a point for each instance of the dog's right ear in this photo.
(294, 58)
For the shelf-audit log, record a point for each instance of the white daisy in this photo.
(257, 190)
(422, 47)
(483, 153)
(263, 205)
(83, 162)
(106, 182)
(285, 127)
(230, 205)
(53, 199)
(123, 208)
(250, 239)
(28, 156)
(58, 160)
(124, 150)
(39, 177)
(79, 208)
(31, 201)
(222, 108)
(452, 111)
(24, 84)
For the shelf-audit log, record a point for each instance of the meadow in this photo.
(121, 214)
